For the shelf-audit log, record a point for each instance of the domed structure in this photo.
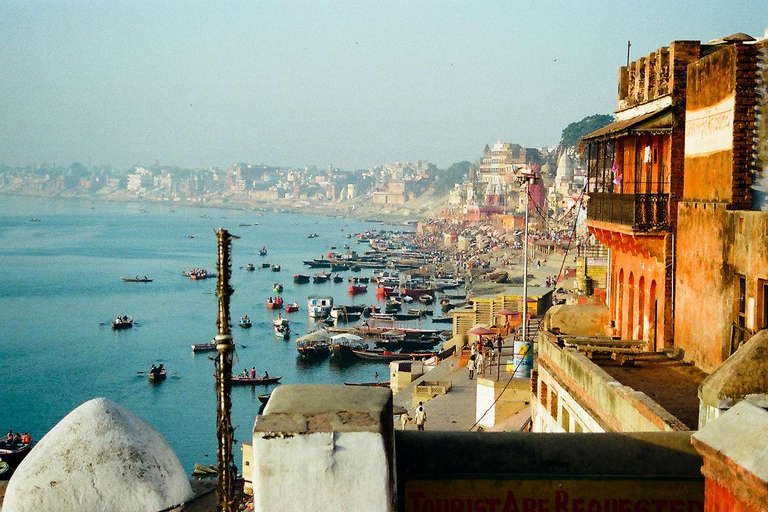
(564, 174)
(101, 456)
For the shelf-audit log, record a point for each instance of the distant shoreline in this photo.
(325, 209)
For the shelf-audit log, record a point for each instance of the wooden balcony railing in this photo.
(642, 212)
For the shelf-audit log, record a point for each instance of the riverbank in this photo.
(360, 208)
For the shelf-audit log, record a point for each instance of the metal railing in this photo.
(642, 212)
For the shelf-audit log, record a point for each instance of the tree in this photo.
(575, 131)
(448, 178)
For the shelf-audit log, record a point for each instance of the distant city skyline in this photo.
(348, 84)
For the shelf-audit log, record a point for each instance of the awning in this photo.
(659, 121)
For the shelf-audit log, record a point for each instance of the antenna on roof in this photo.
(629, 44)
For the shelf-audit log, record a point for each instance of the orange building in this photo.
(635, 175)
(722, 264)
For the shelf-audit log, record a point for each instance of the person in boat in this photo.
(253, 372)
(9, 437)
(245, 373)
(153, 370)
(17, 439)
(266, 374)
(26, 438)
(161, 369)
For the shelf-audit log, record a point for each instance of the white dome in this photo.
(101, 456)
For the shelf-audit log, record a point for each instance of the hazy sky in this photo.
(353, 84)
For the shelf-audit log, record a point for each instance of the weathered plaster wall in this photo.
(714, 245)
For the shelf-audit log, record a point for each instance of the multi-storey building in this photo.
(635, 177)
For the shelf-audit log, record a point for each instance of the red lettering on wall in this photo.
(529, 504)
(561, 501)
(642, 506)
(416, 498)
(492, 504)
(510, 503)
(625, 506)
(578, 505)
(480, 505)
(695, 506)
(543, 505)
(677, 506)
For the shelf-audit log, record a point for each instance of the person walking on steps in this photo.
(420, 417)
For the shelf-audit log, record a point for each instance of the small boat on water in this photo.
(276, 268)
(337, 278)
(263, 251)
(301, 278)
(137, 279)
(442, 320)
(321, 278)
(198, 274)
(387, 355)
(265, 264)
(426, 298)
(281, 327)
(204, 347)
(275, 303)
(122, 322)
(292, 307)
(11, 455)
(317, 350)
(250, 267)
(241, 380)
(277, 288)
(245, 322)
(355, 289)
(374, 384)
(157, 374)
(264, 398)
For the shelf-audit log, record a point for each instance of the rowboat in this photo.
(301, 278)
(291, 308)
(157, 374)
(250, 267)
(204, 347)
(374, 384)
(244, 381)
(358, 288)
(122, 322)
(137, 279)
(245, 323)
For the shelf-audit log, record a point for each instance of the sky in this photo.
(353, 84)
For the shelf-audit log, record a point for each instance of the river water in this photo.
(60, 287)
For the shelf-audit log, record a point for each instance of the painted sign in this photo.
(555, 495)
(709, 130)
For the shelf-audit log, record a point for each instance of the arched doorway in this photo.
(641, 321)
(653, 316)
(619, 303)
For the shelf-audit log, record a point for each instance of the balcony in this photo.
(641, 212)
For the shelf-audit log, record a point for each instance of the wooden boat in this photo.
(388, 355)
(204, 347)
(263, 251)
(250, 267)
(199, 274)
(245, 322)
(358, 288)
(11, 455)
(137, 279)
(282, 331)
(264, 398)
(321, 278)
(157, 374)
(275, 303)
(316, 350)
(301, 278)
(354, 268)
(374, 384)
(336, 267)
(323, 263)
(276, 268)
(122, 322)
(265, 264)
(277, 288)
(292, 307)
(442, 320)
(337, 278)
(244, 381)
(426, 298)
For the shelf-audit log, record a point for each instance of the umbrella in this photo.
(314, 337)
(346, 337)
(480, 331)
(505, 312)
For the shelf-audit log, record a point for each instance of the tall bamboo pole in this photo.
(225, 487)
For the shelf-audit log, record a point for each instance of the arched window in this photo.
(653, 316)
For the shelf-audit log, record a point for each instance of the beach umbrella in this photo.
(505, 312)
(345, 336)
